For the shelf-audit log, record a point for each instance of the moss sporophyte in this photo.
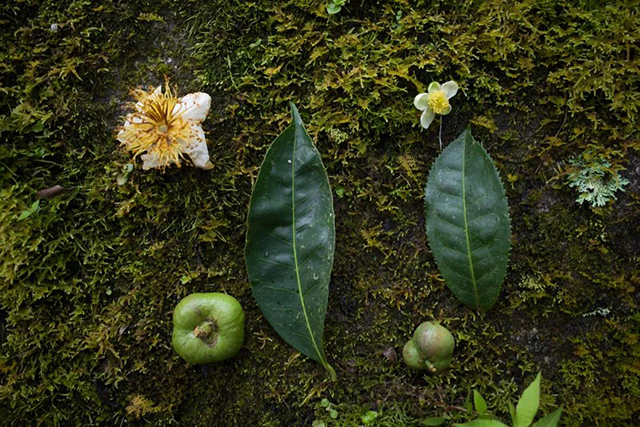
(208, 327)
(163, 128)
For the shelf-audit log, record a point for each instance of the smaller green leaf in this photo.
(325, 403)
(434, 421)
(35, 206)
(38, 127)
(479, 402)
(369, 417)
(550, 420)
(512, 410)
(24, 215)
(468, 405)
(528, 404)
(333, 413)
(333, 8)
(482, 423)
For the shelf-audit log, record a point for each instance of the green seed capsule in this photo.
(431, 348)
(208, 327)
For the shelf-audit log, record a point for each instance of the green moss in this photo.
(87, 284)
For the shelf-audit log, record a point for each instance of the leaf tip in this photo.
(294, 113)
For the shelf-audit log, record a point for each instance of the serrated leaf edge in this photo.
(467, 133)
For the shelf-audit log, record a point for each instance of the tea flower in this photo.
(436, 101)
(163, 129)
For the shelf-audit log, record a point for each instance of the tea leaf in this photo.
(290, 240)
(468, 222)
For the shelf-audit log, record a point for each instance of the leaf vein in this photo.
(315, 250)
(276, 263)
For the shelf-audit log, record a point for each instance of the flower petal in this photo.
(427, 118)
(450, 88)
(434, 86)
(151, 161)
(193, 107)
(421, 101)
(196, 148)
(139, 105)
(127, 123)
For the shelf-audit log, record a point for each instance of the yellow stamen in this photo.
(155, 128)
(438, 102)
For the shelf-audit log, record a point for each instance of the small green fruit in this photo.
(430, 348)
(208, 327)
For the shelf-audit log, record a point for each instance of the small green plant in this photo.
(333, 413)
(522, 415)
(124, 175)
(368, 417)
(35, 207)
(596, 181)
(335, 6)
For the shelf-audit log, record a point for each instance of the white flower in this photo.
(163, 128)
(436, 101)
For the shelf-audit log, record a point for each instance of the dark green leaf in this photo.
(479, 402)
(528, 404)
(468, 222)
(435, 421)
(550, 420)
(290, 240)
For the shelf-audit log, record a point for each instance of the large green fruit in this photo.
(208, 327)
(430, 348)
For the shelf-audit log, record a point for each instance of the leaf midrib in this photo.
(466, 225)
(295, 254)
